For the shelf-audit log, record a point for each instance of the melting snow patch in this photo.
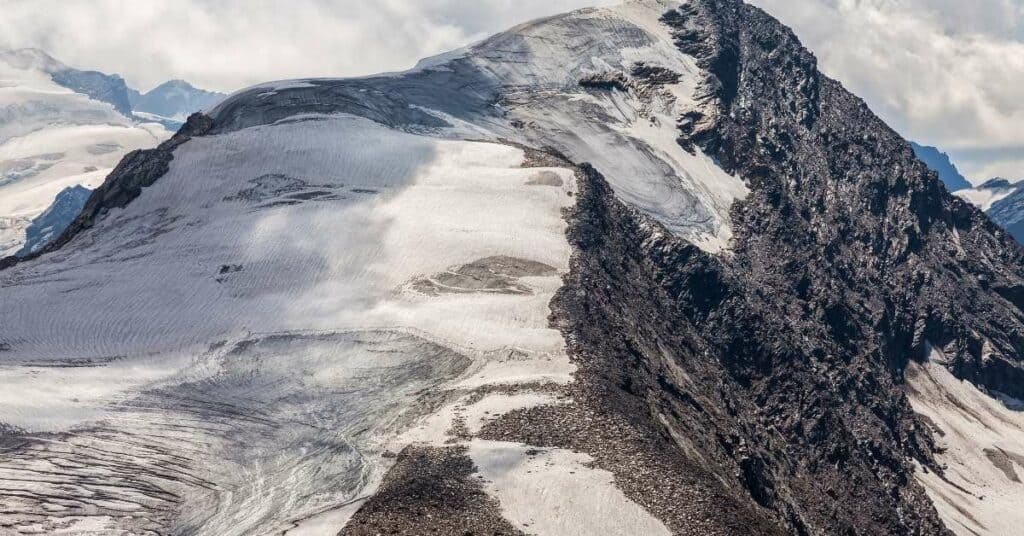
(555, 492)
(983, 440)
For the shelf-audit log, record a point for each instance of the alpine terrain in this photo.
(939, 162)
(62, 131)
(638, 270)
(60, 128)
(1003, 201)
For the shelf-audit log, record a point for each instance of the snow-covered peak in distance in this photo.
(31, 59)
(989, 193)
(172, 102)
(53, 137)
(94, 84)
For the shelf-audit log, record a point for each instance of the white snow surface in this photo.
(983, 438)
(327, 222)
(984, 198)
(256, 320)
(554, 492)
(52, 138)
(628, 136)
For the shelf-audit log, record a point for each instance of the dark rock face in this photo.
(606, 81)
(98, 86)
(137, 170)
(50, 224)
(781, 364)
(840, 206)
(940, 163)
(686, 343)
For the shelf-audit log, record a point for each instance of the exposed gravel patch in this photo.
(431, 490)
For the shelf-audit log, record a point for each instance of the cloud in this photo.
(944, 72)
(229, 44)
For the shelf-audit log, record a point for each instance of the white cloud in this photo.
(945, 72)
(229, 44)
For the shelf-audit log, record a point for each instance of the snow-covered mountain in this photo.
(629, 270)
(1003, 201)
(172, 102)
(1000, 198)
(989, 193)
(59, 128)
(62, 128)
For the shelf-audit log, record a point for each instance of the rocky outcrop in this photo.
(745, 389)
(782, 362)
(841, 204)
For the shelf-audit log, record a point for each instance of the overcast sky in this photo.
(945, 72)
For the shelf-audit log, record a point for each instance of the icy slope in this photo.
(240, 293)
(52, 138)
(298, 293)
(530, 84)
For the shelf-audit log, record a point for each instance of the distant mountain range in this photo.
(939, 162)
(54, 220)
(1001, 199)
(62, 130)
(171, 102)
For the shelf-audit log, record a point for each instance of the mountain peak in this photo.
(628, 270)
(176, 83)
(173, 101)
(940, 162)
